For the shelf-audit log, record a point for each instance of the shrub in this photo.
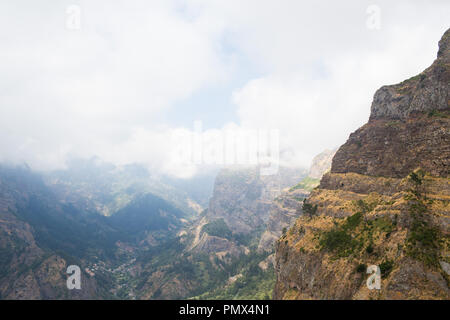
(416, 178)
(386, 268)
(337, 240)
(361, 268)
(423, 242)
(369, 249)
(217, 228)
(309, 209)
(353, 221)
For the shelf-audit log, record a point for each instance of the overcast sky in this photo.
(116, 79)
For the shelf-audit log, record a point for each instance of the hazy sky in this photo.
(115, 79)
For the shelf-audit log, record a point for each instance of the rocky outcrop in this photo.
(287, 207)
(321, 164)
(408, 126)
(428, 91)
(238, 199)
(243, 200)
(285, 210)
(384, 202)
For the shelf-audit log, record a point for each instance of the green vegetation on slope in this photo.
(307, 184)
(423, 242)
(356, 233)
(250, 281)
(217, 228)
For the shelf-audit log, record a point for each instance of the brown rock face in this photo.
(428, 91)
(287, 207)
(243, 198)
(385, 203)
(394, 148)
(408, 127)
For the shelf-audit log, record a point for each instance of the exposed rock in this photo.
(385, 203)
(321, 164)
(287, 207)
(238, 199)
(243, 199)
(212, 245)
(428, 91)
(285, 210)
(445, 266)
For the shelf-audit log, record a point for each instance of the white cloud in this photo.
(72, 91)
(101, 90)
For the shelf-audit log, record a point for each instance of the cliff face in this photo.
(287, 207)
(321, 164)
(385, 202)
(241, 204)
(407, 127)
(238, 199)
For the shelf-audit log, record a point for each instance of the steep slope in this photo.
(148, 218)
(321, 164)
(217, 256)
(42, 234)
(100, 187)
(385, 202)
(242, 199)
(287, 207)
(38, 242)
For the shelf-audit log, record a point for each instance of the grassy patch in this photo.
(355, 235)
(423, 241)
(307, 183)
(218, 228)
(437, 114)
(339, 239)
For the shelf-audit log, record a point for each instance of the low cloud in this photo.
(109, 88)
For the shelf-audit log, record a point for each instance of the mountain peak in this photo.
(425, 92)
(444, 45)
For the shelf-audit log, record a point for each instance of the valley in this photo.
(229, 233)
(132, 244)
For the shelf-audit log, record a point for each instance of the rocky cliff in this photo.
(241, 202)
(321, 164)
(287, 206)
(215, 256)
(385, 202)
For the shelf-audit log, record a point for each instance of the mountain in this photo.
(216, 257)
(287, 206)
(39, 238)
(97, 186)
(41, 234)
(132, 244)
(384, 202)
(148, 218)
(321, 164)
(241, 202)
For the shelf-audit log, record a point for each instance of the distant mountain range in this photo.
(136, 235)
(381, 199)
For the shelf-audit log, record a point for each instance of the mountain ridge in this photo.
(384, 202)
